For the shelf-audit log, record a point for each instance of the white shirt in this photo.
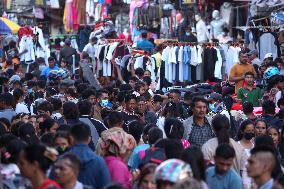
(218, 65)
(165, 58)
(202, 32)
(193, 57)
(180, 61)
(22, 108)
(91, 50)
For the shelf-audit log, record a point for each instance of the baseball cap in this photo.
(215, 96)
(268, 55)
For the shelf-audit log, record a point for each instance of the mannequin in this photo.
(225, 11)
(202, 33)
(217, 24)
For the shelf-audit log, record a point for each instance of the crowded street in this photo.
(142, 94)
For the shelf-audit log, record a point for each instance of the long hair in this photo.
(242, 128)
(221, 126)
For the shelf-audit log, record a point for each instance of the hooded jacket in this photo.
(94, 171)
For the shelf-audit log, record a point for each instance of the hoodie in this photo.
(94, 171)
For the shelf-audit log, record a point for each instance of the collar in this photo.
(267, 185)
(205, 121)
(245, 86)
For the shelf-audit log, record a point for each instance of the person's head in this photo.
(224, 157)
(199, 107)
(140, 88)
(70, 110)
(154, 135)
(260, 127)
(261, 162)
(144, 35)
(141, 105)
(18, 95)
(274, 133)
(48, 125)
(249, 78)
(194, 157)
(45, 108)
(11, 152)
(6, 100)
(90, 94)
(157, 102)
(188, 183)
(94, 40)
(135, 128)
(80, 133)
(174, 95)
(172, 109)
(51, 62)
(146, 178)
(174, 128)
(247, 108)
(280, 103)
(27, 133)
(85, 107)
(280, 82)
(147, 74)
(170, 172)
(67, 169)
(132, 81)
(47, 139)
(173, 148)
(130, 102)
(268, 107)
(115, 119)
(139, 72)
(56, 104)
(221, 127)
(6, 123)
(61, 141)
(36, 159)
(63, 63)
(243, 57)
(246, 130)
(102, 95)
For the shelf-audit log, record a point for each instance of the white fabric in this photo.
(26, 43)
(98, 11)
(78, 185)
(161, 124)
(216, 27)
(106, 65)
(138, 62)
(111, 49)
(218, 65)
(277, 97)
(232, 57)
(180, 63)
(151, 67)
(266, 45)
(199, 54)
(22, 108)
(90, 7)
(225, 11)
(256, 61)
(165, 58)
(91, 50)
(193, 57)
(201, 31)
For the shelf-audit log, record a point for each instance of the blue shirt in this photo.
(145, 45)
(267, 185)
(45, 72)
(230, 179)
(134, 159)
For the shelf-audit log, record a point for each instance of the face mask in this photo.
(187, 33)
(41, 67)
(104, 103)
(212, 107)
(248, 136)
(30, 90)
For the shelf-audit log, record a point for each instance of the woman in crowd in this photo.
(274, 133)
(245, 135)
(260, 127)
(146, 178)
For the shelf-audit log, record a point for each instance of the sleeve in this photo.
(206, 152)
(86, 48)
(240, 94)
(232, 72)
(103, 175)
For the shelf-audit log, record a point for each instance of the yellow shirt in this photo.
(158, 58)
(239, 70)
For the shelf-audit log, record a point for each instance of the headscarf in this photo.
(115, 141)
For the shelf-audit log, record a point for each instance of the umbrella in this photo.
(7, 26)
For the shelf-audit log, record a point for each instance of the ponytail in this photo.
(221, 126)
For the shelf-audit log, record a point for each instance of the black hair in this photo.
(138, 86)
(249, 73)
(173, 148)
(13, 149)
(100, 92)
(194, 157)
(46, 125)
(130, 97)
(45, 106)
(144, 35)
(114, 118)
(263, 140)
(247, 107)
(135, 128)
(125, 87)
(81, 87)
(18, 93)
(50, 58)
(6, 138)
(139, 72)
(7, 99)
(80, 132)
(113, 185)
(56, 104)
(85, 107)
(74, 160)
(28, 134)
(281, 143)
(242, 128)
(174, 128)
(157, 98)
(225, 151)
(3, 130)
(221, 126)
(6, 122)
(48, 139)
(35, 152)
(173, 109)
(261, 120)
(280, 102)
(15, 128)
(243, 52)
(175, 91)
(187, 95)
(198, 99)
(147, 80)
(268, 107)
(88, 92)
(70, 110)
(141, 98)
(154, 135)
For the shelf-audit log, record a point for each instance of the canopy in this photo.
(7, 26)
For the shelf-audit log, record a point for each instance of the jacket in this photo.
(188, 125)
(94, 171)
(88, 74)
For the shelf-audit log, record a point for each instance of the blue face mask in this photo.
(30, 90)
(187, 33)
(212, 107)
(106, 103)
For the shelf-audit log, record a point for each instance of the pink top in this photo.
(119, 171)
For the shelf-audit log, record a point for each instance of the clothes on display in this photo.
(268, 43)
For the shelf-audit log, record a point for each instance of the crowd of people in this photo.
(66, 128)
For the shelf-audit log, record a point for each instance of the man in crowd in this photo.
(253, 56)
(51, 66)
(249, 92)
(222, 175)
(268, 113)
(67, 52)
(198, 127)
(6, 106)
(237, 72)
(145, 44)
(260, 166)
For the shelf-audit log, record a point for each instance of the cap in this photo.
(215, 96)
(15, 78)
(268, 55)
(254, 51)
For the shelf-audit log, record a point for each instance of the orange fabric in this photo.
(238, 70)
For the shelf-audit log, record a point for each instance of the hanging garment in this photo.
(68, 17)
(232, 57)
(210, 58)
(180, 63)
(218, 65)
(165, 58)
(193, 57)
(268, 43)
(81, 8)
(26, 44)
(186, 63)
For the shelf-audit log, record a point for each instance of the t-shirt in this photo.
(239, 70)
(230, 179)
(252, 96)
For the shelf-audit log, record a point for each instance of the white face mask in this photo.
(41, 67)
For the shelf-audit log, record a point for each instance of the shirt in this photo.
(200, 134)
(230, 179)
(267, 185)
(45, 72)
(145, 45)
(252, 96)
